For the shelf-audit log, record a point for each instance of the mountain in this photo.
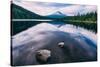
(18, 12)
(57, 14)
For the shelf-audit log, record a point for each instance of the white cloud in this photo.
(71, 10)
(36, 8)
(49, 8)
(89, 9)
(75, 9)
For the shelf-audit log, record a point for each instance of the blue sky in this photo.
(47, 8)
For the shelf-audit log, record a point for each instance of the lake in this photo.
(28, 37)
(18, 26)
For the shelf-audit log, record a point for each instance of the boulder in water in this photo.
(61, 44)
(43, 55)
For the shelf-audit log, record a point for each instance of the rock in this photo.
(61, 44)
(43, 55)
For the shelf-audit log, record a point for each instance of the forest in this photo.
(92, 16)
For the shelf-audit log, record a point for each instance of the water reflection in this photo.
(73, 30)
(79, 43)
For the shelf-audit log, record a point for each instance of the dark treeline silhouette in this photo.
(91, 16)
(18, 12)
(88, 20)
(18, 26)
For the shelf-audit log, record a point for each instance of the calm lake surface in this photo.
(28, 37)
(20, 26)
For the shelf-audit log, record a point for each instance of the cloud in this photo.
(89, 8)
(46, 8)
(36, 8)
(71, 10)
(47, 4)
(75, 9)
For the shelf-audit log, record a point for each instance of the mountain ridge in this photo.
(57, 14)
(18, 12)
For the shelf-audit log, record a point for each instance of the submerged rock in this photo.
(43, 55)
(61, 44)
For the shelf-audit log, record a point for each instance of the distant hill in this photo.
(18, 12)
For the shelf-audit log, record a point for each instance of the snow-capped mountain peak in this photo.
(57, 14)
